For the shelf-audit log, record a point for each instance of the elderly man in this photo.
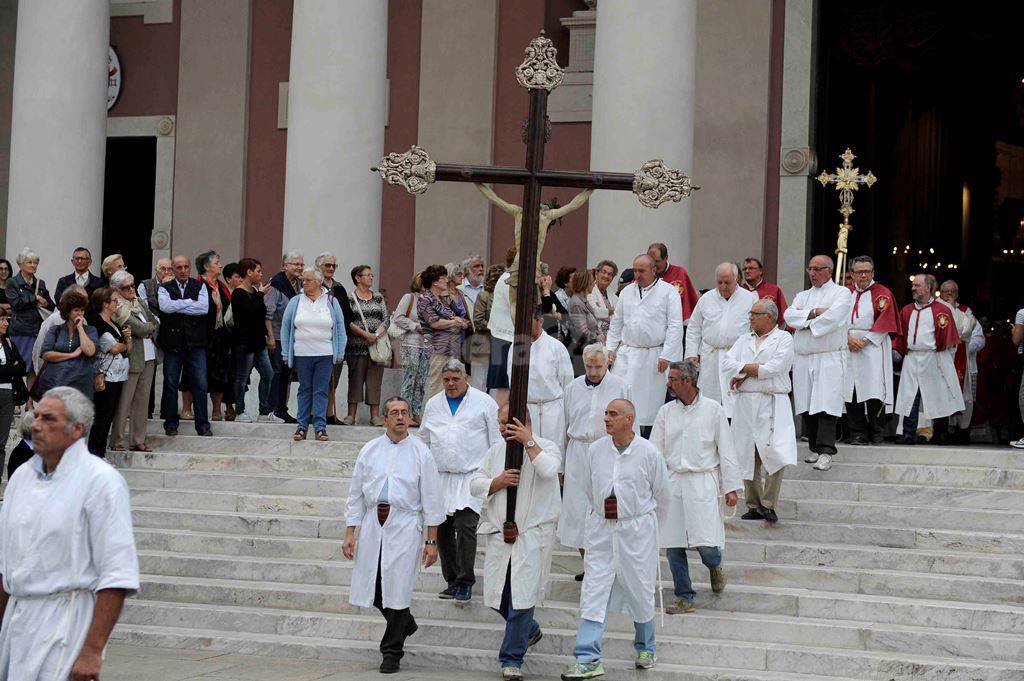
(459, 425)
(67, 551)
(625, 482)
(284, 286)
(692, 432)
(646, 334)
(585, 400)
(762, 419)
(719, 318)
(753, 281)
(81, 259)
(550, 373)
(147, 287)
(327, 264)
(675, 275)
(395, 493)
(868, 383)
(972, 339)
(477, 344)
(515, 573)
(820, 317)
(928, 381)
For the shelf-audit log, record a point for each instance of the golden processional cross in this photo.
(846, 179)
(654, 184)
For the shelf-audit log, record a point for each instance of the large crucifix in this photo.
(653, 185)
(846, 179)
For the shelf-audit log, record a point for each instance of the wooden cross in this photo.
(653, 185)
(846, 179)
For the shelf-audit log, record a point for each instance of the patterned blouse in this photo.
(431, 309)
(376, 313)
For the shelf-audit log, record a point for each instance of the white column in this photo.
(336, 117)
(58, 131)
(643, 109)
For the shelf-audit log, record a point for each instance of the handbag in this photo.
(380, 351)
(43, 312)
(394, 330)
(36, 391)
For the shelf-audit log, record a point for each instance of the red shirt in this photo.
(678, 277)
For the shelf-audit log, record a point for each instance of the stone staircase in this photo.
(899, 563)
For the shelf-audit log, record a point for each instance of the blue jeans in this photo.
(314, 382)
(279, 386)
(711, 556)
(244, 362)
(519, 627)
(588, 638)
(193, 362)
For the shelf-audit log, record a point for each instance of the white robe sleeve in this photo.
(837, 315)
(732, 475)
(109, 515)
(355, 508)
(547, 463)
(658, 429)
(658, 475)
(565, 372)
(615, 330)
(694, 330)
(732, 360)
(673, 347)
(493, 433)
(480, 483)
(431, 498)
(977, 342)
(781, 362)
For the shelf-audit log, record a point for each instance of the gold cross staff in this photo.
(846, 179)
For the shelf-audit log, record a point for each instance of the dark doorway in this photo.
(128, 195)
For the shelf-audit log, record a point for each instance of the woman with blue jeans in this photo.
(249, 337)
(313, 340)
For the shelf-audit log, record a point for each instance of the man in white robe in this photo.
(646, 334)
(972, 338)
(718, 319)
(395, 493)
(626, 479)
(515, 574)
(550, 373)
(585, 401)
(67, 552)
(692, 432)
(459, 424)
(820, 317)
(763, 432)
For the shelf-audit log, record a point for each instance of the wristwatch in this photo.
(530, 443)
(430, 542)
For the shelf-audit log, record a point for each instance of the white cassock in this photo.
(868, 370)
(459, 442)
(584, 414)
(713, 327)
(537, 507)
(970, 333)
(550, 372)
(702, 466)
(820, 347)
(621, 561)
(647, 326)
(414, 492)
(930, 372)
(762, 416)
(63, 538)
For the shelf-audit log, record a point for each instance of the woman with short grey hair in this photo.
(30, 303)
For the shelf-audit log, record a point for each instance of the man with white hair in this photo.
(763, 432)
(585, 400)
(284, 286)
(477, 345)
(459, 425)
(965, 360)
(550, 373)
(327, 263)
(820, 318)
(164, 271)
(646, 334)
(67, 552)
(718, 319)
(473, 284)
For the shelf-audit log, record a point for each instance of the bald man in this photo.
(719, 318)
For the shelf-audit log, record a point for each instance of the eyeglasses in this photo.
(329, 264)
(127, 287)
(296, 264)
(81, 258)
(754, 314)
(818, 269)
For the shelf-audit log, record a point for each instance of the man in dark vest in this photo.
(184, 303)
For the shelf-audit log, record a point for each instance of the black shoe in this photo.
(334, 421)
(449, 593)
(288, 418)
(857, 440)
(941, 440)
(907, 440)
(411, 629)
(205, 432)
(877, 439)
(389, 666)
(769, 515)
(535, 639)
(752, 514)
(170, 432)
(579, 577)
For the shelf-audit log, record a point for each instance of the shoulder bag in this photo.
(394, 330)
(380, 351)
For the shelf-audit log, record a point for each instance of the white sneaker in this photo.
(823, 463)
(244, 418)
(1019, 444)
(511, 673)
(812, 457)
(270, 418)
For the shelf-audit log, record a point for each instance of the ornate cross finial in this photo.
(846, 179)
(414, 169)
(540, 69)
(655, 183)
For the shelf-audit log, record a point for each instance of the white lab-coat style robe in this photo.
(930, 372)
(537, 506)
(584, 414)
(62, 540)
(550, 373)
(970, 333)
(621, 561)
(762, 416)
(414, 492)
(647, 326)
(713, 327)
(820, 346)
(869, 370)
(459, 443)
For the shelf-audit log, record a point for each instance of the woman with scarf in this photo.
(142, 361)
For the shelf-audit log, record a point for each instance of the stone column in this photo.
(336, 116)
(643, 109)
(58, 131)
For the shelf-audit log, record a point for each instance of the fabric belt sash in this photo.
(644, 347)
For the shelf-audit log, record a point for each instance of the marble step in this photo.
(336, 449)
(911, 495)
(207, 500)
(983, 456)
(738, 626)
(227, 481)
(240, 463)
(268, 431)
(913, 474)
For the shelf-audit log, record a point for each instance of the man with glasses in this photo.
(327, 263)
(753, 281)
(147, 287)
(284, 286)
(81, 259)
(820, 317)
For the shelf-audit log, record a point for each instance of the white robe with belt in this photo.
(550, 372)
(762, 416)
(647, 326)
(930, 372)
(621, 561)
(414, 493)
(584, 414)
(702, 466)
(820, 346)
(713, 327)
(970, 333)
(869, 370)
(63, 538)
(537, 507)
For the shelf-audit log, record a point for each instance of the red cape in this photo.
(886, 320)
(946, 335)
(766, 290)
(677, 276)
